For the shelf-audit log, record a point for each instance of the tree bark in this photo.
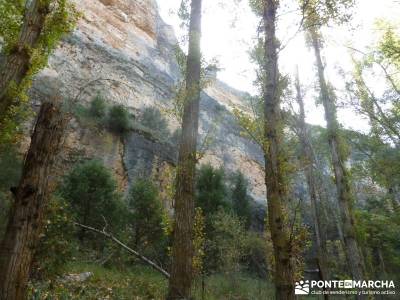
(31, 198)
(274, 159)
(309, 171)
(16, 65)
(342, 182)
(182, 249)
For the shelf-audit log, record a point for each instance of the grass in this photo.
(140, 282)
(234, 287)
(135, 283)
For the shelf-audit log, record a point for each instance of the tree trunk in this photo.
(17, 63)
(274, 159)
(31, 198)
(182, 249)
(352, 250)
(309, 170)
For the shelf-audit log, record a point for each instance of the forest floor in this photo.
(140, 282)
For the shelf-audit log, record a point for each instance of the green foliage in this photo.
(184, 14)
(98, 115)
(98, 107)
(382, 111)
(377, 160)
(389, 45)
(106, 283)
(240, 198)
(154, 120)
(118, 119)
(257, 6)
(211, 190)
(236, 286)
(228, 241)
(141, 282)
(56, 245)
(182, 93)
(252, 127)
(227, 245)
(198, 241)
(147, 217)
(378, 229)
(326, 12)
(300, 243)
(381, 108)
(59, 21)
(11, 13)
(337, 259)
(255, 252)
(91, 193)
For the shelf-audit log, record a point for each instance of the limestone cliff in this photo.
(128, 42)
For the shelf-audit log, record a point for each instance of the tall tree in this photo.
(182, 249)
(16, 65)
(382, 108)
(25, 53)
(309, 165)
(336, 144)
(275, 159)
(30, 199)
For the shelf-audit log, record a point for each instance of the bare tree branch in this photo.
(130, 250)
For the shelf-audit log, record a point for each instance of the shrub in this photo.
(154, 120)
(255, 253)
(228, 241)
(98, 107)
(118, 119)
(91, 192)
(146, 217)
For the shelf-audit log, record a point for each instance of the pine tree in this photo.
(147, 213)
(211, 190)
(91, 192)
(240, 198)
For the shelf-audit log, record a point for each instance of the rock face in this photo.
(123, 50)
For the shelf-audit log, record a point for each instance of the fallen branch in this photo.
(130, 250)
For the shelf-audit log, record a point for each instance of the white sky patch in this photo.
(230, 44)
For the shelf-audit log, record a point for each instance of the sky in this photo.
(229, 31)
